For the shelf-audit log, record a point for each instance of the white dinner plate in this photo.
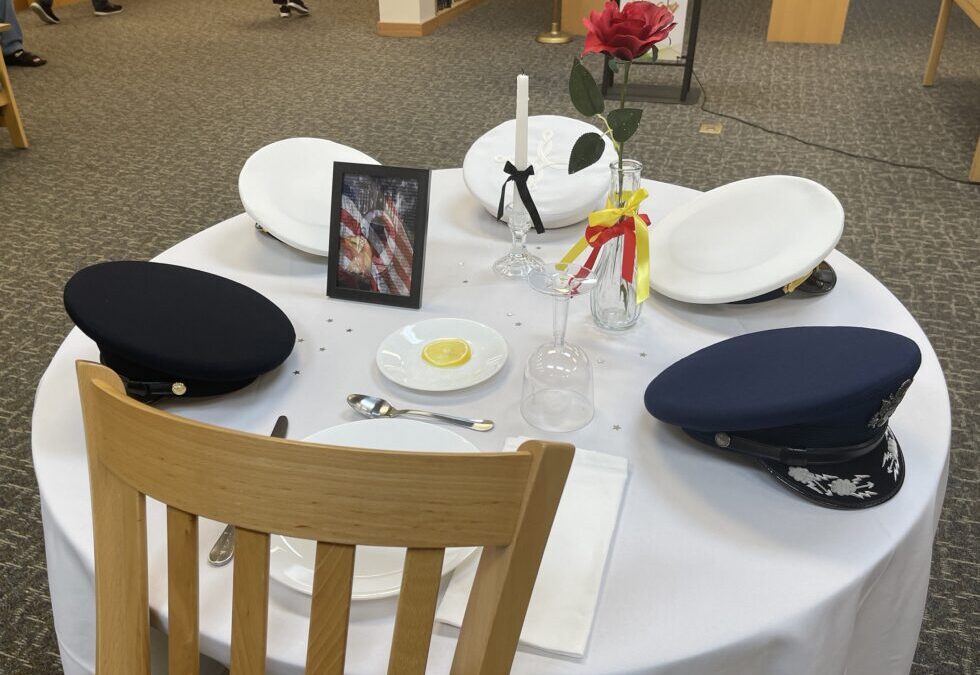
(744, 239)
(561, 199)
(399, 356)
(377, 570)
(287, 186)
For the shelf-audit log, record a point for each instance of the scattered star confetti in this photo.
(518, 323)
(643, 354)
(510, 314)
(616, 427)
(350, 330)
(300, 340)
(323, 349)
(329, 320)
(295, 372)
(466, 281)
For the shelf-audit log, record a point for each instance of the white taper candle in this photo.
(520, 150)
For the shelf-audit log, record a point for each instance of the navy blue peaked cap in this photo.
(175, 331)
(811, 403)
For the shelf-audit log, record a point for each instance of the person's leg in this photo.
(298, 6)
(11, 40)
(105, 7)
(45, 11)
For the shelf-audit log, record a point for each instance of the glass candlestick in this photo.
(519, 262)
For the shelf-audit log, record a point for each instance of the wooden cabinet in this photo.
(808, 21)
(573, 11)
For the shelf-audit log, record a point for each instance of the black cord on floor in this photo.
(704, 107)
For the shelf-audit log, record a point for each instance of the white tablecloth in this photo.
(715, 568)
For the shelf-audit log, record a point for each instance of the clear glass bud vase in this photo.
(614, 305)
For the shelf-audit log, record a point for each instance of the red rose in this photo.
(627, 33)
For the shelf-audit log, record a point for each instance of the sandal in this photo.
(23, 58)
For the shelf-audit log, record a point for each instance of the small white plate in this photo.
(287, 187)
(399, 357)
(744, 239)
(562, 199)
(377, 570)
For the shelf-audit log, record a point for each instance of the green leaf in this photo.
(584, 91)
(613, 65)
(586, 152)
(624, 122)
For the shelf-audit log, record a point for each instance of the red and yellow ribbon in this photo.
(625, 221)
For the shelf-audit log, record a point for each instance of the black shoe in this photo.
(283, 10)
(106, 8)
(23, 58)
(45, 11)
(299, 6)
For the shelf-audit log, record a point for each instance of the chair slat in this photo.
(122, 639)
(416, 611)
(505, 578)
(182, 592)
(119, 520)
(332, 584)
(250, 603)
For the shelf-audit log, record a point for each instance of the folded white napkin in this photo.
(563, 603)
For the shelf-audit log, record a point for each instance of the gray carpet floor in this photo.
(141, 122)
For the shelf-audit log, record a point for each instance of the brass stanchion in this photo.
(554, 36)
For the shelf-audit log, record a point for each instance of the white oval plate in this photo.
(287, 187)
(377, 570)
(744, 239)
(399, 357)
(562, 199)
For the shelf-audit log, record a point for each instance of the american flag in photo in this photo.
(391, 250)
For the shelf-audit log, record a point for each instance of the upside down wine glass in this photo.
(558, 389)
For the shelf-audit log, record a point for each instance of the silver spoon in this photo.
(372, 406)
(224, 548)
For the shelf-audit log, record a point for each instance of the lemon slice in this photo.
(446, 352)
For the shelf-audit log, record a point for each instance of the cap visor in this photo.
(869, 480)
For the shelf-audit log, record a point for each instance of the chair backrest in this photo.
(340, 497)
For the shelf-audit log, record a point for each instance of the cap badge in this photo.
(178, 388)
(888, 406)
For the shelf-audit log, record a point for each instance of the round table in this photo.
(714, 567)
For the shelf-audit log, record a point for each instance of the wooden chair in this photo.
(340, 497)
(972, 9)
(9, 115)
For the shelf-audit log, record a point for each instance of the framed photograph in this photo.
(377, 234)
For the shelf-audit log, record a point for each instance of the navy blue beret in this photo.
(811, 403)
(170, 330)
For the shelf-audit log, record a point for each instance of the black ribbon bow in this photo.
(520, 182)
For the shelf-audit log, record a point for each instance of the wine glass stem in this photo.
(560, 319)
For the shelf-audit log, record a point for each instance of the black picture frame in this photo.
(385, 214)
